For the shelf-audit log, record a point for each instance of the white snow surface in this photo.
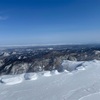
(83, 83)
(11, 80)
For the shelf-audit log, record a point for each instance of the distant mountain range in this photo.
(18, 60)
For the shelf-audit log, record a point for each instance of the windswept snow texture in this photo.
(81, 82)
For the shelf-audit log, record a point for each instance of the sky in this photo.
(25, 22)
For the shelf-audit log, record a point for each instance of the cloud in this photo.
(3, 18)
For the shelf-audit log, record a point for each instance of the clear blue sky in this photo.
(25, 22)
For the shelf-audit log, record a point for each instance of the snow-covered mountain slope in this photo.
(82, 83)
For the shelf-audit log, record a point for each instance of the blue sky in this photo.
(24, 22)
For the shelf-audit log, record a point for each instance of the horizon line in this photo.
(30, 45)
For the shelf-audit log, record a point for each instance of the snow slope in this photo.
(83, 83)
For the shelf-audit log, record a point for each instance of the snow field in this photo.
(82, 83)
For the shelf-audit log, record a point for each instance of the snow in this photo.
(30, 76)
(14, 53)
(50, 48)
(97, 52)
(95, 96)
(11, 80)
(55, 72)
(47, 74)
(71, 65)
(6, 54)
(80, 68)
(82, 83)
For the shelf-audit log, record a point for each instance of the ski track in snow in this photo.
(84, 92)
(90, 97)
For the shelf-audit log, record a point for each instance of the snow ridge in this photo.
(69, 68)
(82, 83)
